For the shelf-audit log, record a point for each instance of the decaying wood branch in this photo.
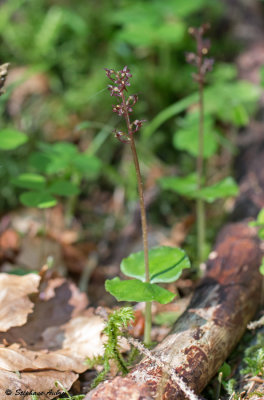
(222, 305)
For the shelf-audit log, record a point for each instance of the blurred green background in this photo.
(57, 88)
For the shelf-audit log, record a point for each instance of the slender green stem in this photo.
(147, 332)
(200, 210)
(142, 208)
(148, 323)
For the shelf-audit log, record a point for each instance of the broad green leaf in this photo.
(135, 290)
(63, 188)
(89, 166)
(187, 137)
(40, 161)
(261, 233)
(220, 99)
(149, 35)
(185, 186)
(165, 264)
(260, 217)
(10, 139)
(239, 115)
(259, 222)
(225, 188)
(261, 268)
(225, 369)
(65, 149)
(224, 99)
(30, 181)
(38, 199)
(54, 158)
(223, 72)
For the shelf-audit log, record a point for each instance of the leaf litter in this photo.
(46, 333)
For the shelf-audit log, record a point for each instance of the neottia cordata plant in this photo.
(203, 65)
(160, 264)
(198, 138)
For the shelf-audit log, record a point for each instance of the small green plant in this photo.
(117, 321)
(202, 145)
(224, 380)
(259, 223)
(255, 362)
(60, 168)
(161, 264)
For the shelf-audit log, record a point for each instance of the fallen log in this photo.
(224, 302)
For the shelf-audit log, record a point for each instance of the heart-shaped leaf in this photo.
(135, 290)
(87, 165)
(187, 138)
(182, 185)
(10, 139)
(165, 264)
(40, 161)
(261, 268)
(260, 219)
(30, 181)
(65, 149)
(224, 188)
(38, 199)
(63, 188)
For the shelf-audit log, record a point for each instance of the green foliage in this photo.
(136, 290)
(261, 268)
(226, 99)
(225, 188)
(254, 358)
(64, 158)
(186, 137)
(255, 362)
(63, 167)
(225, 369)
(117, 321)
(37, 199)
(42, 195)
(10, 139)
(187, 186)
(259, 223)
(229, 386)
(165, 265)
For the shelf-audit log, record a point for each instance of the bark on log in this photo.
(223, 304)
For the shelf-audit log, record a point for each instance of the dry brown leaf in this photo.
(80, 336)
(15, 358)
(12, 385)
(58, 302)
(55, 341)
(78, 339)
(14, 302)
